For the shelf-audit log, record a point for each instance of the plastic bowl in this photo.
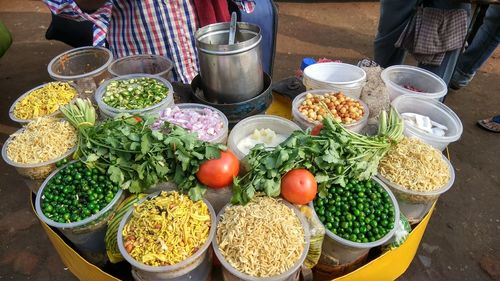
(246, 127)
(304, 123)
(88, 234)
(111, 112)
(222, 136)
(196, 267)
(53, 114)
(335, 76)
(346, 251)
(413, 204)
(435, 110)
(38, 171)
(86, 66)
(142, 64)
(397, 76)
(231, 274)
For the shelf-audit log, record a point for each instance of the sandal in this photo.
(490, 124)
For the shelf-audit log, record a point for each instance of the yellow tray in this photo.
(388, 266)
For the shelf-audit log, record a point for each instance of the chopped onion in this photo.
(207, 123)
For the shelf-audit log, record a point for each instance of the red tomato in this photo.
(315, 131)
(299, 186)
(218, 173)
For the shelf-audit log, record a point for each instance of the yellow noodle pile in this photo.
(263, 238)
(166, 229)
(44, 139)
(45, 100)
(415, 165)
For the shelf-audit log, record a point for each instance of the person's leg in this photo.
(491, 124)
(482, 47)
(394, 16)
(445, 70)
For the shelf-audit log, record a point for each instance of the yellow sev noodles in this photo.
(263, 238)
(44, 139)
(45, 100)
(415, 165)
(167, 229)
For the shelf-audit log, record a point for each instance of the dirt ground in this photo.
(462, 240)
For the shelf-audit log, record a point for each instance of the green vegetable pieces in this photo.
(333, 156)
(137, 158)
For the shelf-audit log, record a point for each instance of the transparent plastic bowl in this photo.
(53, 114)
(86, 66)
(346, 251)
(196, 267)
(413, 204)
(246, 127)
(219, 138)
(111, 112)
(435, 110)
(88, 234)
(397, 76)
(38, 171)
(143, 64)
(304, 123)
(231, 274)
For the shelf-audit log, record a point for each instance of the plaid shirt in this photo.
(142, 27)
(433, 32)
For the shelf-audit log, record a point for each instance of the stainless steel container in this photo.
(230, 73)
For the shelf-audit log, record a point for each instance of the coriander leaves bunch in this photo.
(333, 156)
(137, 157)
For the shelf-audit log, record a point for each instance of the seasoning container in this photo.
(85, 66)
(143, 64)
(231, 274)
(345, 251)
(437, 112)
(246, 127)
(401, 79)
(220, 128)
(414, 204)
(230, 73)
(196, 267)
(56, 113)
(335, 76)
(300, 120)
(88, 234)
(34, 174)
(110, 112)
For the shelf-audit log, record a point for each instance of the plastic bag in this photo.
(317, 232)
(403, 229)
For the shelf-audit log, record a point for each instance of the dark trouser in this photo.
(394, 16)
